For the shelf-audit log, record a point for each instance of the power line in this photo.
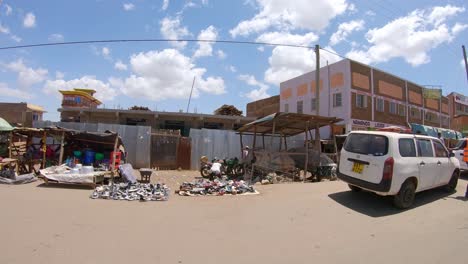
(152, 40)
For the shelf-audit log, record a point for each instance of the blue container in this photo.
(88, 157)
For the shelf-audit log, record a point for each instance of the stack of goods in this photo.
(132, 192)
(216, 187)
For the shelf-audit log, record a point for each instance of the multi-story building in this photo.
(459, 112)
(80, 106)
(364, 97)
(21, 114)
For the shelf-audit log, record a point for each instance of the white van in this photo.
(459, 150)
(390, 163)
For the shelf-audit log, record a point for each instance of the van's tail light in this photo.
(388, 169)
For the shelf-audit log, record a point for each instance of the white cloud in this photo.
(206, 48)
(165, 4)
(171, 29)
(26, 76)
(204, 2)
(105, 51)
(128, 6)
(59, 75)
(261, 48)
(287, 38)
(15, 38)
(458, 28)
(119, 65)
(8, 10)
(104, 90)
(7, 91)
(166, 74)
(232, 68)
(221, 54)
(287, 15)
(345, 29)
(4, 29)
(29, 20)
(56, 37)
(255, 94)
(370, 13)
(286, 63)
(410, 37)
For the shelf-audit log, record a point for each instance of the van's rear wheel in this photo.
(405, 197)
(354, 188)
(452, 185)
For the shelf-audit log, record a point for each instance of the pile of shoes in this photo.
(216, 187)
(132, 192)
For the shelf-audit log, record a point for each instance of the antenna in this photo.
(190, 97)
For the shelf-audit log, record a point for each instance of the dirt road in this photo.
(286, 223)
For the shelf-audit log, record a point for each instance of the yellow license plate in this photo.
(358, 167)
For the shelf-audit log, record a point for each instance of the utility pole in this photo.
(466, 63)
(317, 79)
(193, 83)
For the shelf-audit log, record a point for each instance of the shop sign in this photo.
(461, 98)
(365, 123)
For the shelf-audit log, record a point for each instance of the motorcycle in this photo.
(229, 167)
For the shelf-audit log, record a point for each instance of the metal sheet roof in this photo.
(288, 124)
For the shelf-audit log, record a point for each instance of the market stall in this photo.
(85, 157)
(284, 125)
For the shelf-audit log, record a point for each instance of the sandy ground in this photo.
(286, 223)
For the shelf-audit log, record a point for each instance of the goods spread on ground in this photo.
(215, 187)
(132, 192)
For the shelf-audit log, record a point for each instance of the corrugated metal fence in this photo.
(137, 139)
(226, 144)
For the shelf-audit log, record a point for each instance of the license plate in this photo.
(358, 167)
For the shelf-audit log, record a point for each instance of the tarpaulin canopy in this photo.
(288, 124)
(4, 125)
(433, 131)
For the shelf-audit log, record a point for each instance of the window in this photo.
(401, 110)
(406, 147)
(337, 100)
(375, 145)
(461, 144)
(428, 116)
(439, 149)
(415, 113)
(361, 101)
(313, 104)
(459, 107)
(393, 108)
(380, 105)
(425, 148)
(286, 108)
(300, 107)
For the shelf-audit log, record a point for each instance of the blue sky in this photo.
(417, 40)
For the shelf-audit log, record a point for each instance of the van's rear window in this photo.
(375, 145)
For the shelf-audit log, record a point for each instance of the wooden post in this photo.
(44, 148)
(241, 143)
(61, 148)
(272, 133)
(285, 143)
(263, 140)
(306, 152)
(255, 138)
(317, 140)
(113, 158)
(10, 145)
(281, 142)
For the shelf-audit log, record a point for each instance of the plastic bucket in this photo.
(99, 156)
(88, 157)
